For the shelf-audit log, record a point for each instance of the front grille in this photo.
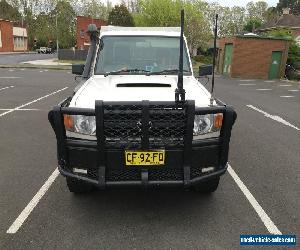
(157, 174)
(123, 126)
(123, 175)
(164, 174)
(168, 126)
(93, 173)
(167, 174)
(196, 172)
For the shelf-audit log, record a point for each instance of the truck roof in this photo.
(142, 31)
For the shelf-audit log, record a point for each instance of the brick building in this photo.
(12, 38)
(82, 38)
(252, 57)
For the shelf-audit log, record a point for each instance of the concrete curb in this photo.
(17, 53)
(29, 66)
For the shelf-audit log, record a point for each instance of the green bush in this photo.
(203, 59)
(294, 56)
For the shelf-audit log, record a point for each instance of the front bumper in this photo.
(104, 166)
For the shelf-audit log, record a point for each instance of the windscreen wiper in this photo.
(126, 71)
(166, 71)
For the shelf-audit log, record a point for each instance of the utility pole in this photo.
(23, 34)
(56, 35)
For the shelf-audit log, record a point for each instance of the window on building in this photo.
(19, 42)
(0, 40)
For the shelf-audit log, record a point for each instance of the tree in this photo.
(96, 9)
(271, 14)
(198, 30)
(157, 13)
(26, 7)
(294, 6)
(120, 16)
(252, 24)
(41, 30)
(231, 20)
(257, 10)
(9, 12)
(66, 17)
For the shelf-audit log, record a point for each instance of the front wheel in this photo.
(77, 186)
(208, 186)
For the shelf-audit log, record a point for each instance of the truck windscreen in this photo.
(140, 54)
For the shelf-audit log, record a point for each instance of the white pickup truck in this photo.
(140, 117)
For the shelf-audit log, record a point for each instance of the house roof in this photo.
(286, 20)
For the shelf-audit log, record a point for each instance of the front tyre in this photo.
(77, 186)
(208, 186)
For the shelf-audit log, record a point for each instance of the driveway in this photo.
(16, 58)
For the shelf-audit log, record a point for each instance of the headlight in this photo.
(80, 124)
(207, 126)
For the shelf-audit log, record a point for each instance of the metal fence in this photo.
(69, 54)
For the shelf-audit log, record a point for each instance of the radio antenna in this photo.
(180, 92)
(214, 58)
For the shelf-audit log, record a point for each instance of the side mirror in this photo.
(77, 69)
(205, 70)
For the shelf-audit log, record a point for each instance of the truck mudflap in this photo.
(143, 126)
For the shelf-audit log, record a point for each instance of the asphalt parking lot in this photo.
(259, 194)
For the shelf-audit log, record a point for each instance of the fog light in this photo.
(209, 169)
(79, 171)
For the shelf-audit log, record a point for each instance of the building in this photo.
(12, 38)
(288, 21)
(82, 38)
(253, 57)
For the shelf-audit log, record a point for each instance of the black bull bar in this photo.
(176, 131)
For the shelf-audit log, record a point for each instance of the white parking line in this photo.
(257, 207)
(32, 204)
(269, 81)
(247, 84)
(287, 96)
(21, 109)
(293, 90)
(8, 87)
(246, 80)
(36, 100)
(263, 89)
(274, 117)
(285, 85)
(9, 77)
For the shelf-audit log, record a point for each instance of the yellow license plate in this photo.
(144, 158)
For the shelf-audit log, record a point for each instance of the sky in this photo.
(242, 3)
(229, 3)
